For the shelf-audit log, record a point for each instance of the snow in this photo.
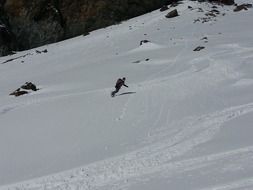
(185, 122)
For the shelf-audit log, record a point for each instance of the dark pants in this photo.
(115, 91)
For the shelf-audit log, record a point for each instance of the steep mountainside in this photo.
(184, 123)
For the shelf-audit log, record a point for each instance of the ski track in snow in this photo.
(245, 184)
(155, 158)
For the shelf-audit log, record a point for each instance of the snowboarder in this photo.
(120, 82)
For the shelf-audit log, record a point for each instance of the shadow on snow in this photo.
(126, 93)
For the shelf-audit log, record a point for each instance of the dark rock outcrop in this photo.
(223, 2)
(7, 39)
(24, 89)
(34, 23)
(227, 2)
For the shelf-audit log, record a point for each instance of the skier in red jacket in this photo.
(120, 82)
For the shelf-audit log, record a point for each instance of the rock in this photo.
(24, 89)
(215, 11)
(199, 48)
(7, 40)
(86, 33)
(210, 14)
(173, 3)
(144, 41)
(18, 92)
(242, 7)
(227, 2)
(34, 23)
(164, 8)
(29, 86)
(43, 51)
(200, 10)
(172, 14)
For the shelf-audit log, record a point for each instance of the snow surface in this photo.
(185, 122)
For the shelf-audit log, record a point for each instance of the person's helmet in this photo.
(124, 78)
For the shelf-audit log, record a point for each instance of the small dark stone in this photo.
(144, 41)
(199, 48)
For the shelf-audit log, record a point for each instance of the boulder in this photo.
(29, 86)
(24, 89)
(172, 14)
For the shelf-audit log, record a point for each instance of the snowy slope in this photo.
(185, 122)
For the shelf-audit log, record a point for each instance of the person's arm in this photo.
(125, 85)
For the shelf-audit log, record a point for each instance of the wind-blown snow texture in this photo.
(185, 122)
